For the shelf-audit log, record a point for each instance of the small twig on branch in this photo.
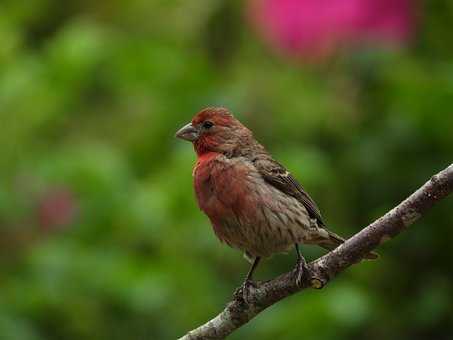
(321, 271)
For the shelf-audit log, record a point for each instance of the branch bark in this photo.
(321, 271)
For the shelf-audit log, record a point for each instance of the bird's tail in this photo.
(335, 240)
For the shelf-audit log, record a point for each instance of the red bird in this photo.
(253, 202)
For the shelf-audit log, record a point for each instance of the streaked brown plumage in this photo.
(252, 201)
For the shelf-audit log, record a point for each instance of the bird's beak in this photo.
(188, 132)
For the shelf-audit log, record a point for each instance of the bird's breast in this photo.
(222, 186)
(246, 212)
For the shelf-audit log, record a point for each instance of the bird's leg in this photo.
(248, 282)
(301, 266)
(255, 263)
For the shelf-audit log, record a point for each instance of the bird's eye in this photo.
(207, 124)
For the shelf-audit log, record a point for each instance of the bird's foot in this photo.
(243, 292)
(300, 270)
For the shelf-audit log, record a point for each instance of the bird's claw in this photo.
(243, 292)
(300, 270)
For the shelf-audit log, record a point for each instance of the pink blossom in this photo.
(313, 28)
(56, 208)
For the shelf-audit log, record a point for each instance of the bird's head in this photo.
(215, 130)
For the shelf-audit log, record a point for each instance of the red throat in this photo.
(204, 158)
(204, 145)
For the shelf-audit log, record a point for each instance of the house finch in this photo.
(253, 202)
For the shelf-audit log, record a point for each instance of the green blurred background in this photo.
(100, 236)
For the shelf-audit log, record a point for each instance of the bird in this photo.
(253, 203)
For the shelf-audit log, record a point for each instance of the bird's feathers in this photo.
(275, 174)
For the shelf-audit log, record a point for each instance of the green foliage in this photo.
(90, 97)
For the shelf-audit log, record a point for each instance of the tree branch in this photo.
(321, 271)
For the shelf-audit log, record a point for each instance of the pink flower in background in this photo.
(56, 209)
(317, 28)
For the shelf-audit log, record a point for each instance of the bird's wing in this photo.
(275, 174)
